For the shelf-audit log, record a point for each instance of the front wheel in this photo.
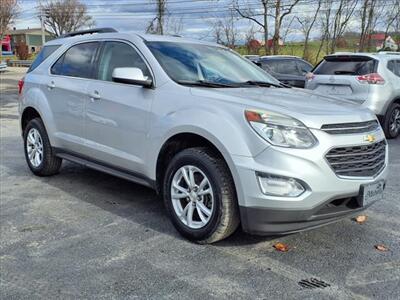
(391, 124)
(200, 196)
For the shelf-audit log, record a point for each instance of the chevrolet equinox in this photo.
(222, 141)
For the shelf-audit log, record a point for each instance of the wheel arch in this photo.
(29, 113)
(184, 140)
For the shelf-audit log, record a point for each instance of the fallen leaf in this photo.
(381, 247)
(281, 247)
(361, 219)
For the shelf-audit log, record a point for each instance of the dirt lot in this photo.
(84, 234)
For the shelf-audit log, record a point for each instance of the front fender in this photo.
(227, 131)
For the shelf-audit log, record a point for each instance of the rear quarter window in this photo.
(346, 66)
(394, 67)
(43, 54)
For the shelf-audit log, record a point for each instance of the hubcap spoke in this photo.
(205, 192)
(204, 209)
(191, 178)
(201, 215)
(185, 176)
(179, 188)
(189, 218)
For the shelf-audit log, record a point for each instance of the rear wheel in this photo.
(38, 152)
(200, 197)
(392, 121)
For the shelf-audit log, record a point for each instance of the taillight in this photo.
(20, 86)
(373, 78)
(310, 76)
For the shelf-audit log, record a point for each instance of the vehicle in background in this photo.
(290, 70)
(253, 58)
(370, 79)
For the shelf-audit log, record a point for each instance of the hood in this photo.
(313, 109)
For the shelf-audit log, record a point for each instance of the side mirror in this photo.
(131, 76)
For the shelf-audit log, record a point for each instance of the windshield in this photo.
(186, 63)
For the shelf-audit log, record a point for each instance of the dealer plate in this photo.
(372, 192)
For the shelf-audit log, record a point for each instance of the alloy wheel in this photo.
(192, 197)
(394, 123)
(34, 147)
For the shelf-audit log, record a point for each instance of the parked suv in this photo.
(370, 79)
(218, 138)
(290, 70)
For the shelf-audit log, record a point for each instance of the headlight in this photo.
(280, 130)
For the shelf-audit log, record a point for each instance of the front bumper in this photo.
(328, 198)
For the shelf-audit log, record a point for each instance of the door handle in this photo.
(51, 85)
(94, 96)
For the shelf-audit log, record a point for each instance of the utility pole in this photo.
(42, 16)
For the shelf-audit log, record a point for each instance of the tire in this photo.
(390, 127)
(221, 200)
(35, 137)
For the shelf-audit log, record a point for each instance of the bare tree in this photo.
(307, 23)
(225, 31)
(251, 14)
(8, 12)
(367, 20)
(156, 25)
(392, 16)
(62, 16)
(250, 36)
(281, 11)
(344, 12)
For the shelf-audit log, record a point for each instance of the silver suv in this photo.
(218, 138)
(369, 79)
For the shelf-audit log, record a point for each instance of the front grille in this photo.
(358, 161)
(348, 128)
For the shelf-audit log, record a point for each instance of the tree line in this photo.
(272, 20)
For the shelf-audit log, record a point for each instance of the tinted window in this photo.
(398, 68)
(43, 54)
(304, 67)
(284, 66)
(77, 61)
(394, 67)
(119, 55)
(346, 66)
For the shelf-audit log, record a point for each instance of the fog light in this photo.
(280, 186)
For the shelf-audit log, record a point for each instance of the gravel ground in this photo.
(84, 234)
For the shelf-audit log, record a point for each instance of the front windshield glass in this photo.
(185, 63)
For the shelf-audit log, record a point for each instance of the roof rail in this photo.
(389, 52)
(88, 31)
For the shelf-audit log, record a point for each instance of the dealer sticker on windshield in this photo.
(372, 192)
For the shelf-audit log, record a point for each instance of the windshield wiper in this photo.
(263, 83)
(205, 83)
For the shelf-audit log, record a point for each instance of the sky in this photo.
(194, 17)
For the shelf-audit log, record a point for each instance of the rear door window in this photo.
(394, 67)
(43, 54)
(77, 61)
(347, 65)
